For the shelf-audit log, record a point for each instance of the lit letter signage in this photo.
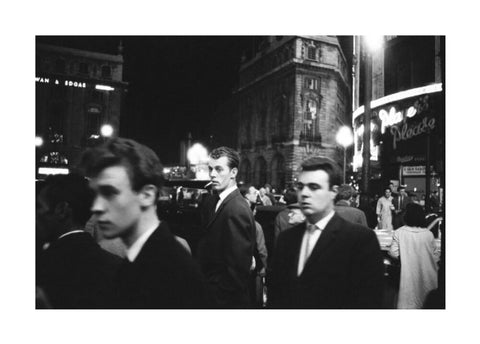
(407, 132)
(68, 83)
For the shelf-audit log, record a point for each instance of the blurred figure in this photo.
(400, 203)
(290, 216)
(264, 198)
(415, 246)
(366, 206)
(158, 273)
(226, 250)
(260, 256)
(269, 193)
(384, 210)
(326, 262)
(343, 207)
(73, 271)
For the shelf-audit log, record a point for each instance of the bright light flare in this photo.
(344, 136)
(106, 130)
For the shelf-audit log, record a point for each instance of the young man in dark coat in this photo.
(159, 273)
(226, 251)
(72, 270)
(326, 262)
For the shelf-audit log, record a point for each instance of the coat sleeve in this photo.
(238, 240)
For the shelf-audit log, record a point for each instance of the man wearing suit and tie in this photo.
(400, 203)
(227, 248)
(326, 262)
(158, 273)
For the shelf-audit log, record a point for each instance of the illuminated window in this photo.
(311, 84)
(106, 72)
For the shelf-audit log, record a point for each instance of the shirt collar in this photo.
(226, 192)
(324, 221)
(134, 250)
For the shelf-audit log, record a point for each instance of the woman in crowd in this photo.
(384, 210)
(415, 246)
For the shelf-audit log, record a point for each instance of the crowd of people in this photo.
(101, 243)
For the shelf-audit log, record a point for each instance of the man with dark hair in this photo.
(227, 248)
(343, 206)
(326, 262)
(126, 178)
(72, 271)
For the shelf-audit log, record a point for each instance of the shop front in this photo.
(407, 143)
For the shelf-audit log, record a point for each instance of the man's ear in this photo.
(334, 189)
(234, 172)
(148, 195)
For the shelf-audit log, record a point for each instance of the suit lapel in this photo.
(328, 235)
(296, 248)
(232, 195)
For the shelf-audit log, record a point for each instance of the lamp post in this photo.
(370, 44)
(345, 139)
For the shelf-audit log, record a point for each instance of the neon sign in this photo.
(405, 132)
(393, 117)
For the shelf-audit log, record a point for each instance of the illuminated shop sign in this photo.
(68, 83)
(413, 170)
(406, 131)
(71, 83)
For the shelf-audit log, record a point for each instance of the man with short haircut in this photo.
(72, 270)
(226, 251)
(326, 262)
(343, 206)
(126, 178)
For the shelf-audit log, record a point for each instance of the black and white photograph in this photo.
(203, 181)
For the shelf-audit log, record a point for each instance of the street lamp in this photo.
(198, 155)
(106, 130)
(345, 139)
(38, 141)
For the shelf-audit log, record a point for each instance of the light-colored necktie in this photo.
(308, 245)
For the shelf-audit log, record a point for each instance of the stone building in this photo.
(77, 92)
(293, 95)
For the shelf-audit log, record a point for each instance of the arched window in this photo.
(260, 172)
(278, 172)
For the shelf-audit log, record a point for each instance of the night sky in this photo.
(175, 83)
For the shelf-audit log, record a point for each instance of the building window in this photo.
(60, 66)
(311, 53)
(311, 84)
(83, 68)
(106, 72)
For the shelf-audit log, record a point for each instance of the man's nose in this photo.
(97, 206)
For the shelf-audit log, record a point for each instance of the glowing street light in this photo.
(344, 138)
(106, 130)
(197, 155)
(38, 141)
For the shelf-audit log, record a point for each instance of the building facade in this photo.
(77, 92)
(293, 95)
(407, 116)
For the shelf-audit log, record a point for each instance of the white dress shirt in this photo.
(134, 250)
(224, 195)
(310, 238)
